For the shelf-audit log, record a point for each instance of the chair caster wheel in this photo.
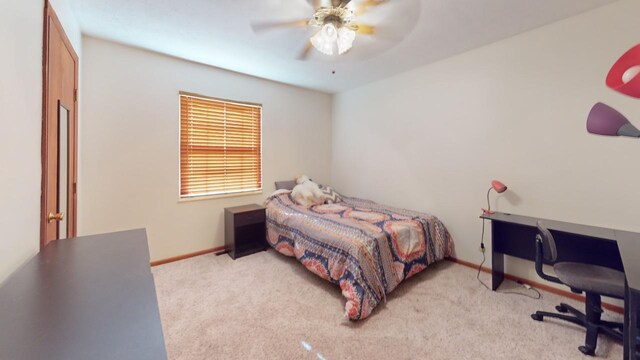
(562, 309)
(536, 317)
(587, 351)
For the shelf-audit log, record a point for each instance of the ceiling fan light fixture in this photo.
(336, 28)
(331, 36)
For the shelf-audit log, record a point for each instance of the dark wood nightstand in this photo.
(244, 230)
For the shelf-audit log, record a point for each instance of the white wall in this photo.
(69, 22)
(433, 138)
(130, 143)
(20, 138)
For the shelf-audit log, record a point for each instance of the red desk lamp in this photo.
(499, 188)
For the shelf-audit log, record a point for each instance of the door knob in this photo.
(56, 217)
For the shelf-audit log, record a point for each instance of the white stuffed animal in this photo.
(307, 193)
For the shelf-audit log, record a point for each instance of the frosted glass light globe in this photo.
(325, 39)
(345, 39)
(630, 73)
(330, 32)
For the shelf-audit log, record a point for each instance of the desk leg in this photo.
(631, 304)
(625, 336)
(497, 269)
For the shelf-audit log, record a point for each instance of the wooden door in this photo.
(59, 133)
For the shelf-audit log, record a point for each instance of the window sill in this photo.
(220, 196)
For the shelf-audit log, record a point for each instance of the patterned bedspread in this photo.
(364, 247)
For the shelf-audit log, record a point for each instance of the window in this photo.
(220, 146)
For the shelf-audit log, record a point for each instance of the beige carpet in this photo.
(267, 306)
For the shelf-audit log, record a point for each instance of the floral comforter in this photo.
(365, 248)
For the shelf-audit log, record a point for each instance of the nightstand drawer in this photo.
(248, 218)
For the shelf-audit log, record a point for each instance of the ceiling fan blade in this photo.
(366, 29)
(305, 52)
(366, 5)
(259, 27)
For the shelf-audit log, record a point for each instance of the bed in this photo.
(365, 248)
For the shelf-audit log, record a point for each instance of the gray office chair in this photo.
(593, 280)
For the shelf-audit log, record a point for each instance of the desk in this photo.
(514, 235)
(629, 245)
(91, 297)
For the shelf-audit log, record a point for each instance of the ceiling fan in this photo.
(334, 21)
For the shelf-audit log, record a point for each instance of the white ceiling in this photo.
(218, 33)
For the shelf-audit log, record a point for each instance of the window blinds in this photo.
(220, 146)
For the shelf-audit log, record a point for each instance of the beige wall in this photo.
(433, 138)
(130, 143)
(20, 114)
